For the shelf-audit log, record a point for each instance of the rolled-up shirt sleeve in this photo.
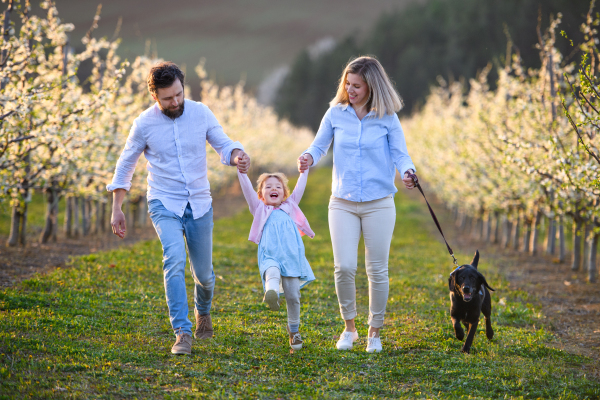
(323, 139)
(398, 149)
(135, 145)
(218, 140)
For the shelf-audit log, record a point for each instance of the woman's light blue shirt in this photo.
(366, 153)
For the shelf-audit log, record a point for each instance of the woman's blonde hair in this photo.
(383, 97)
(279, 175)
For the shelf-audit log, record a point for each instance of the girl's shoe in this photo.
(346, 340)
(295, 339)
(272, 300)
(374, 344)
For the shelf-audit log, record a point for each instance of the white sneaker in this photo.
(374, 344)
(346, 340)
(272, 300)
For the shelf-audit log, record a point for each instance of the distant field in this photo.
(237, 38)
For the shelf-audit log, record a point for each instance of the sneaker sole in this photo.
(181, 353)
(296, 346)
(344, 347)
(272, 300)
(374, 350)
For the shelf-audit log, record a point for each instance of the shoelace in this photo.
(347, 336)
(202, 322)
(297, 337)
(372, 340)
(179, 337)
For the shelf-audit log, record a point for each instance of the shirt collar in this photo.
(345, 108)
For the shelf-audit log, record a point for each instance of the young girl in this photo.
(277, 229)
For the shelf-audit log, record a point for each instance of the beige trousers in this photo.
(375, 220)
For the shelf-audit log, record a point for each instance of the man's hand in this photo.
(408, 182)
(241, 159)
(117, 222)
(304, 161)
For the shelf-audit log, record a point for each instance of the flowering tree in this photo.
(520, 159)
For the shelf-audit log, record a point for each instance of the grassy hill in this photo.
(238, 38)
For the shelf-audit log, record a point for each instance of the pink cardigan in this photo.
(261, 211)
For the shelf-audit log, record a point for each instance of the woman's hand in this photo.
(304, 161)
(408, 182)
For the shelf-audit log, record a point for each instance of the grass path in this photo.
(100, 329)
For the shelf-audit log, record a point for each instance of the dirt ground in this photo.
(570, 303)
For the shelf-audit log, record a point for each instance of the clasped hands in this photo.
(242, 160)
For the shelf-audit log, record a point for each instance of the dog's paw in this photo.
(489, 334)
(465, 350)
(460, 334)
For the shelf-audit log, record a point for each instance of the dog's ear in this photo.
(475, 259)
(483, 282)
(452, 280)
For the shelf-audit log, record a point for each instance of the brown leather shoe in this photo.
(295, 339)
(183, 344)
(204, 329)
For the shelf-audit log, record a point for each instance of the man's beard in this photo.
(172, 113)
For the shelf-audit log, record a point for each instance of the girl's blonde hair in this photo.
(279, 175)
(383, 97)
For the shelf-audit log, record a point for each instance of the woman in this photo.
(369, 146)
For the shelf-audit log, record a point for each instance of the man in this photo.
(172, 134)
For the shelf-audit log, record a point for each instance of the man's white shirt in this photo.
(176, 154)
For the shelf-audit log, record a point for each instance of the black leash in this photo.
(418, 186)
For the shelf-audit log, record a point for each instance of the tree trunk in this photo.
(587, 230)
(487, 227)
(592, 240)
(527, 235)
(516, 228)
(550, 237)
(52, 198)
(89, 215)
(562, 248)
(85, 222)
(497, 223)
(23, 233)
(535, 228)
(102, 216)
(142, 212)
(577, 235)
(15, 222)
(69, 216)
(76, 219)
(504, 228)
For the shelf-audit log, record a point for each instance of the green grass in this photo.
(99, 329)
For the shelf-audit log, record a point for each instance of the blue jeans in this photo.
(177, 233)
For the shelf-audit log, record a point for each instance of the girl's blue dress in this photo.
(281, 246)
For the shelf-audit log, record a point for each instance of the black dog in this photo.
(469, 297)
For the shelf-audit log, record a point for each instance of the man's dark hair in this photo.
(162, 75)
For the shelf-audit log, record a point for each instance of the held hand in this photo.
(117, 223)
(408, 182)
(242, 161)
(304, 161)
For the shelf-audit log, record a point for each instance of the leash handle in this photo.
(418, 186)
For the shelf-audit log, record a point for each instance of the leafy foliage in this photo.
(452, 39)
